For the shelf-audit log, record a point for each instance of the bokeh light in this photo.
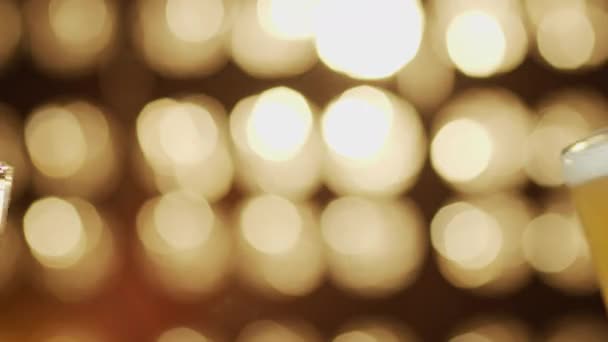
(182, 38)
(554, 244)
(266, 48)
(455, 138)
(55, 233)
(565, 117)
(373, 248)
(184, 142)
(375, 143)
(374, 330)
(368, 39)
(69, 37)
(492, 330)
(478, 242)
(182, 334)
(476, 43)
(565, 36)
(481, 38)
(194, 21)
(73, 147)
(587, 25)
(73, 245)
(185, 248)
(278, 331)
(68, 332)
(479, 139)
(289, 20)
(277, 143)
(10, 30)
(279, 247)
(578, 328)
(280, 124)
(427, 80)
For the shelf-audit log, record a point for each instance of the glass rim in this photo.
(6, 171)
(586, 142)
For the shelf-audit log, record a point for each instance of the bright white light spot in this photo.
(476, 43)
(280, 124)
(357, 125)
(368, 39)
(287, 19)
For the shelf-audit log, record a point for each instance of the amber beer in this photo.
(585, 166)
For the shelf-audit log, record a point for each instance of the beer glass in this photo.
(6, 181)
(585, 168)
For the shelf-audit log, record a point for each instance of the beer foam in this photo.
(586, 159)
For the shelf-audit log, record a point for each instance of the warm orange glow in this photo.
(10, 254)
(375, 142)
(182, 334)
(374, 39)
(492, 330)
(280, 248)
(374, 331)
(10, 30)
(578, 328)
(186, 249)
(374, 248)
(284, 331)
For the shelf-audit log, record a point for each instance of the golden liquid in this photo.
(591, 200)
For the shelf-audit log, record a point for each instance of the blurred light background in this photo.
(297, 170)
